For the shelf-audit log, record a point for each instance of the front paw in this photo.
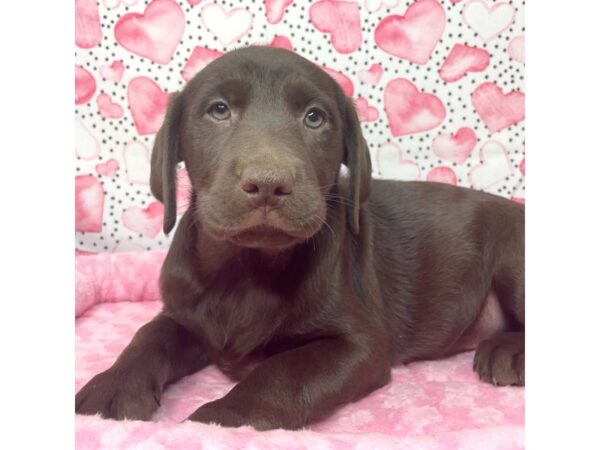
(218, 412)
(118, 395)
(224, 413)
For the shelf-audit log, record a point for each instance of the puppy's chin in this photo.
(269, 234)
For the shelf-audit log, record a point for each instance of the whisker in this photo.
(324, 222)
(312, 240)
(327, 186)
(339, 200)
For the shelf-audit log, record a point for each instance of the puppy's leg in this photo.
(161, 352)
(295, 387)
(501, 359)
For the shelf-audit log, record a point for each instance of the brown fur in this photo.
(300, 283)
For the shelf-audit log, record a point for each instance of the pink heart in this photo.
(194, 2)
(278, 42)
(109, 168)
(108, 109)
(148, 104)
(83, 252)
(495, 166)
(522, 166)
(89, 204)
(228, 26)
(391, 164)
(282, 42)
(275, 9)
(147, 221)
(365, 112)
(340, 19)
(88, 32)
(184, 188)
(496, 109)
(154, 34)
(414, 35)
(344, 82)
(114, 72)
(455, 148)
(410, 111)
(463, 59)
(442, 174)
(371, 76)
(198, 60)
(85, 85)
(516, 49)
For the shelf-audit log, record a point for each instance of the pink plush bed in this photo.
(431, 405)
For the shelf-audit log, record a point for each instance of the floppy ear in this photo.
(358, 161)
(165, 156)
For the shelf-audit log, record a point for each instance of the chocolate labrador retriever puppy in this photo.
(300, 282)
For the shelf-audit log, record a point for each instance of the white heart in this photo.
(137, 162)
(111, 4)
(516, 49)
(146, 221)
(227, 26)
(392, 166)
(494, 168)
(375, 5)
(488, 22)
(86, 144)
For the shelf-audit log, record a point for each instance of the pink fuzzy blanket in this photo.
(432, 405)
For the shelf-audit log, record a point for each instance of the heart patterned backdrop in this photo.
(438, 86)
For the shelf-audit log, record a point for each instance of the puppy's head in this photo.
(263, 133)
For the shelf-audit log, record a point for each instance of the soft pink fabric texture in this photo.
(117, 277)
(432, 405)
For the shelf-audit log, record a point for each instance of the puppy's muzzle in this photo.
(267, 188)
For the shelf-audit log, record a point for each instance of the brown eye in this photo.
(314, 118)
(220, 111)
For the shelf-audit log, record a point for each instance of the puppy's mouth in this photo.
(270, 230)
(263, 237)
(263, 233)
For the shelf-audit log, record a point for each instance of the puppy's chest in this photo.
(235, 324)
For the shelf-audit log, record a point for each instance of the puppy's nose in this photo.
(267, 188)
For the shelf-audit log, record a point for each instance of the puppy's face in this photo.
(262, 140)
(263, 133)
